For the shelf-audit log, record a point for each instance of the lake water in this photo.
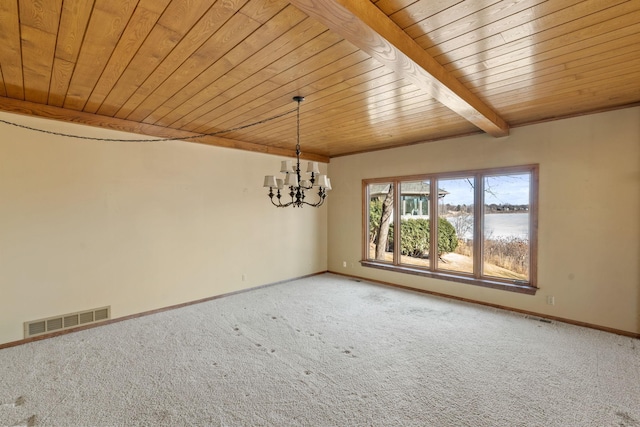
(507, 225)
(504, 225)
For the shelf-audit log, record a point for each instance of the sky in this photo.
(512, 189)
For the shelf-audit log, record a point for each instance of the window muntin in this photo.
(483, 233)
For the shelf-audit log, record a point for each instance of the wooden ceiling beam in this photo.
(363, 24)
(79, 117)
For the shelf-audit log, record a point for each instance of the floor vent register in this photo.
(66, 321)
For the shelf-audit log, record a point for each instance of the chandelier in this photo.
(293, 178)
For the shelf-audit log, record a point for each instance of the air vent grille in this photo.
(101, 314)
(65, 321)
(36, 328)
(86, 317)
(70, 321)
(539, 319)
(54, 324)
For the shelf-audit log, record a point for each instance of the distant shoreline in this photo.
(508, 212)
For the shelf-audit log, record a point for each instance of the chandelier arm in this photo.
(274, 203)
(315, 205)
(278, 196)
(322, 196)
(271, 198)
(280, 204)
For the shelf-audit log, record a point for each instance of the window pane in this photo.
(455, 224)
(414, 219)
(506, 231)
(381, 222)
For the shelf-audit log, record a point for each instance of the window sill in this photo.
(494, 284)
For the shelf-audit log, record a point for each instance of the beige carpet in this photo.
(325, 351)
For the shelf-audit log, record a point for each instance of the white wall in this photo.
(137, 226)
(589, 227)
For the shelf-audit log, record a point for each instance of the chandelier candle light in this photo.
(293, 178)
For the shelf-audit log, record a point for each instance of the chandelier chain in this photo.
(298, 127)
(159, 139)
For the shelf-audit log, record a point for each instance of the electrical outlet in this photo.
(344, 264)
(244, 277)
(551, 300)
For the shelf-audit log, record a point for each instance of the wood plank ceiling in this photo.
(375, 73)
